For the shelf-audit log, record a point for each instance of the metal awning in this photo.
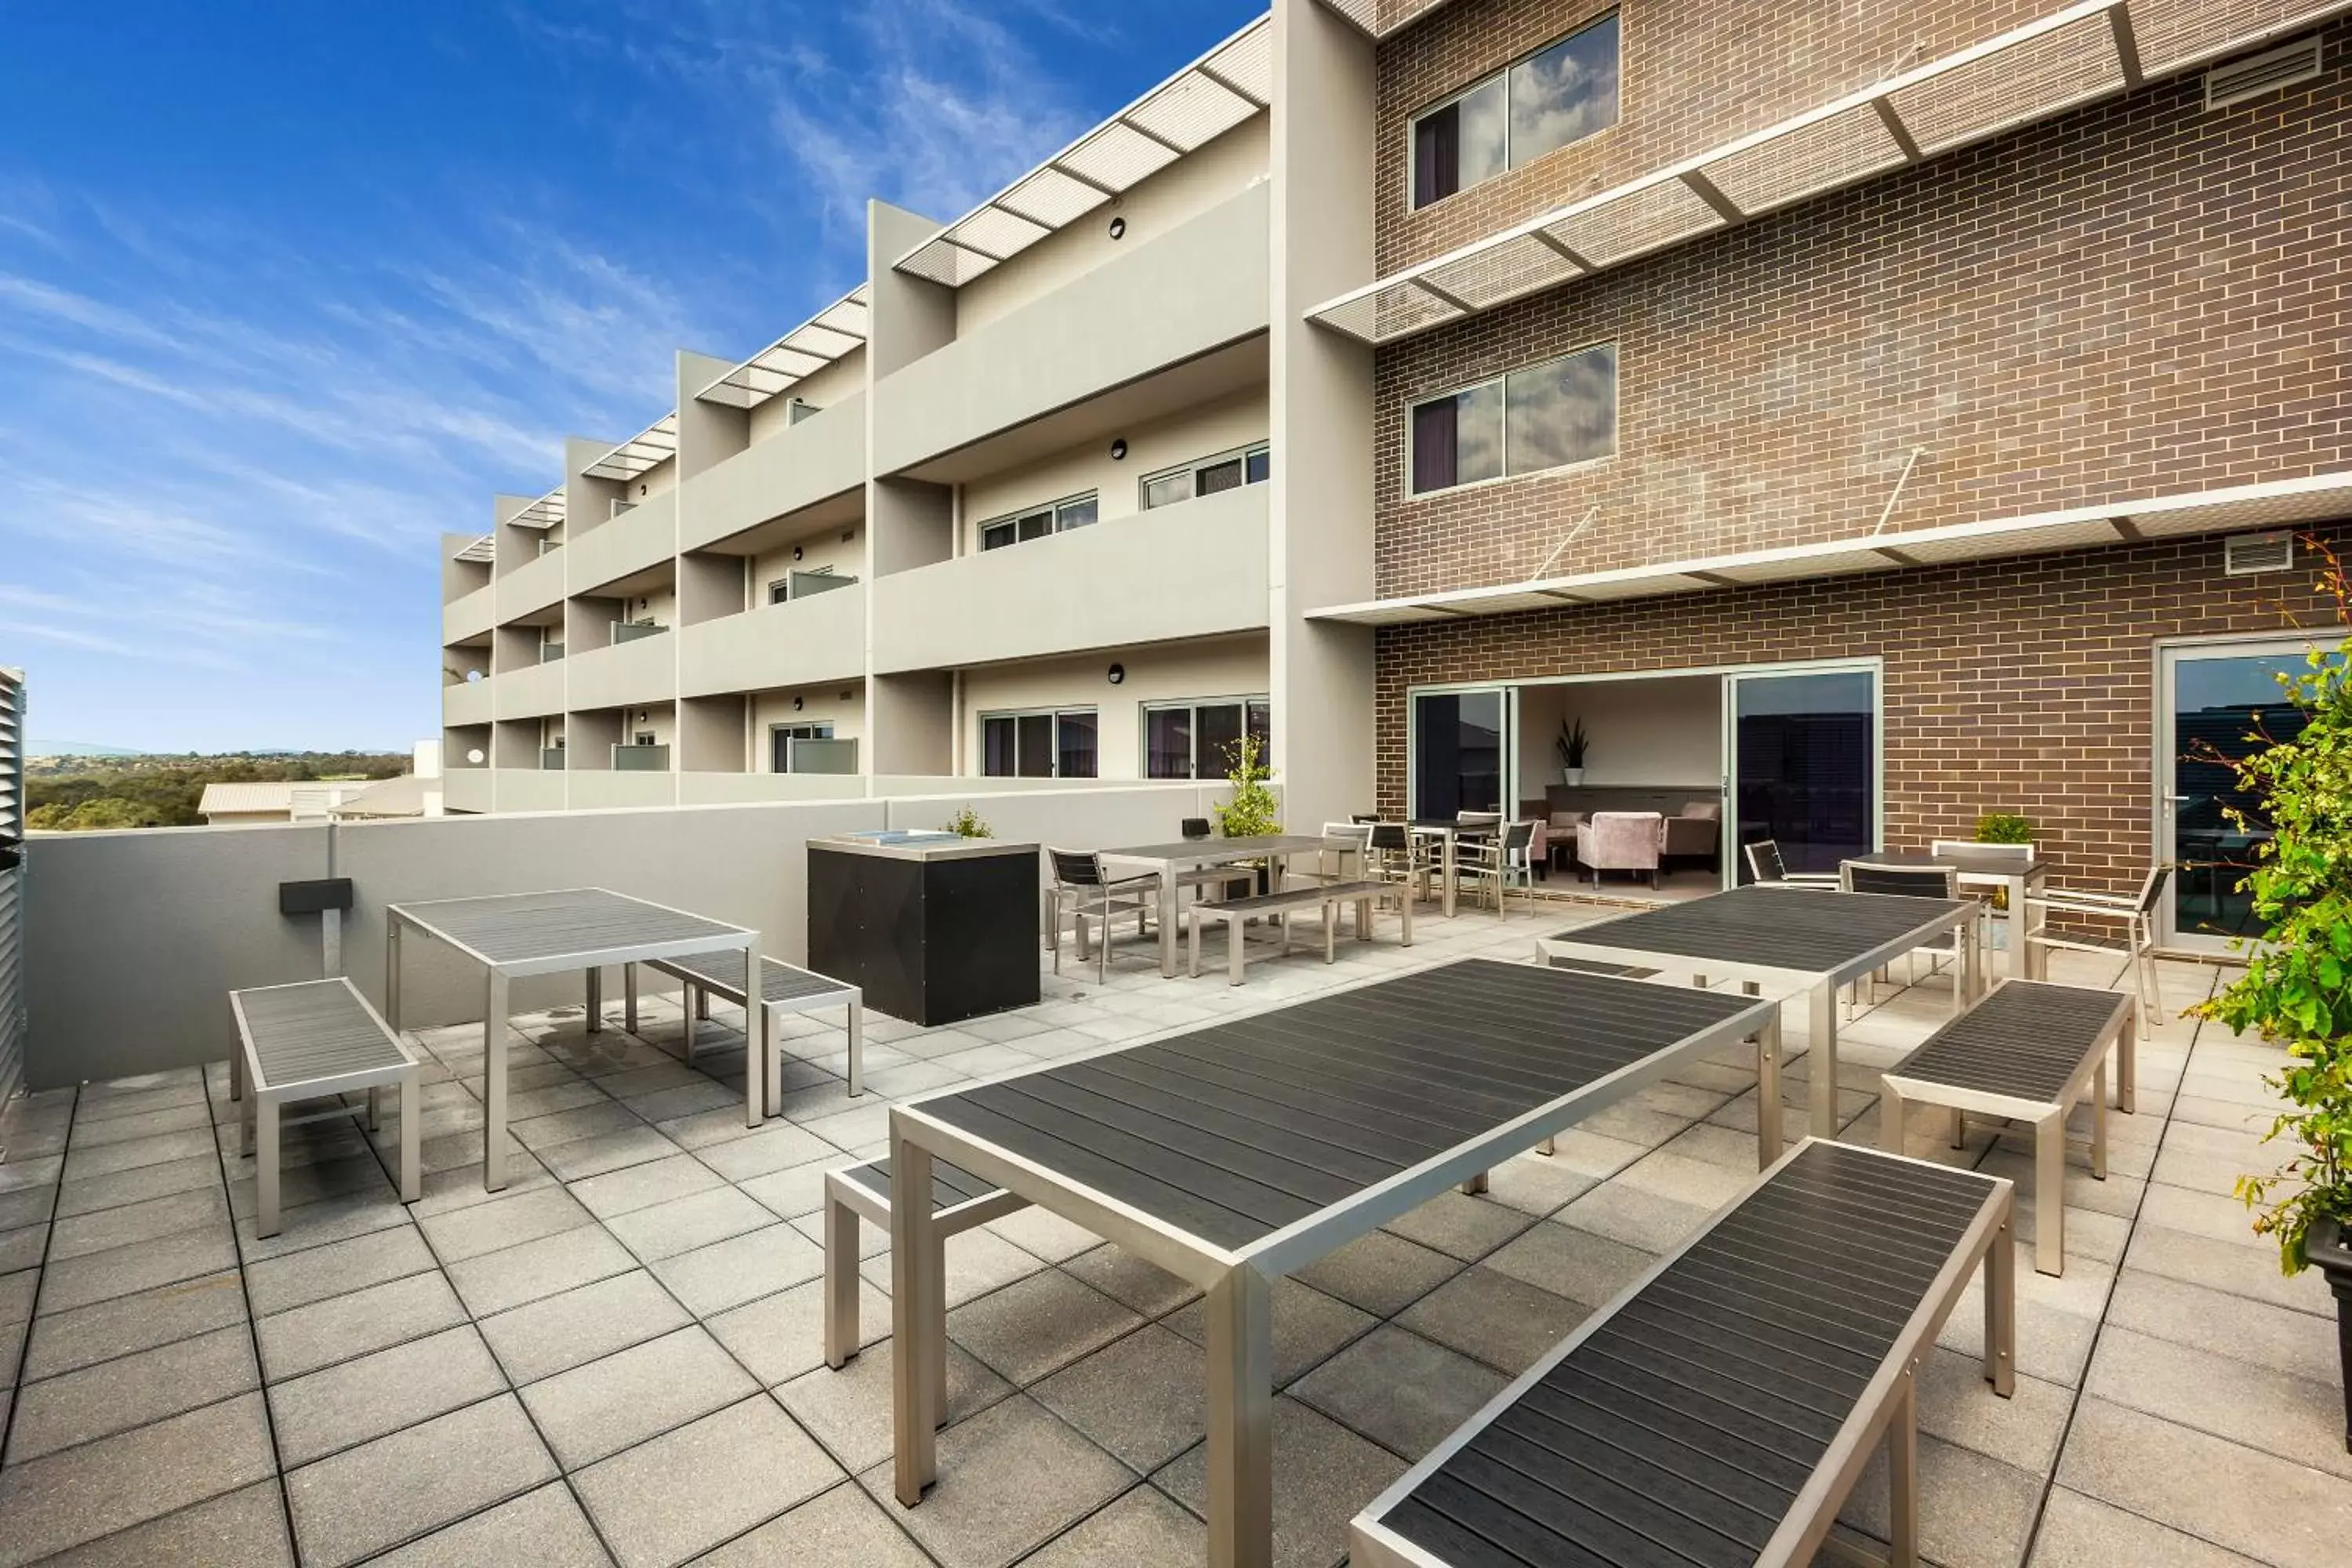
(1221, 89)
(544, 513)
(483, 550)
(1379, 18)
(2276, 504)
(831, 333)
(648, 449)
(2089, 50)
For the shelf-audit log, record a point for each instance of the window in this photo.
(1544, 417)
(779, 590)
(1197, 739)
(645, 737)
(1225, 471)
(1554, 96)
(780, 738)
(1053, 743)
(1057, 517)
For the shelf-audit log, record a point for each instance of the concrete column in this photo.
(515, 545)
(708, 433)
(711, 734)
(587, 501)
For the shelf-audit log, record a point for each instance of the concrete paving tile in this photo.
(1142, 1528)
(582, 1158)
(775, 1147)
(1570, 1262)
(1380, 1273)
(63, 1342)
(1038, 1325)
(508, 1222)
(704, 1484)
(779, 1337)
(1042, 1234)
(743, 1268)
(591, 1411)
(411, 1483)
(1308, 1326)
(298, 1278)
(562, 1091)
(2300, 1344)
(979, 1261)
(496, 1281)
(2233, 1270)
(23, 1247)
(1958, 1405)
(328, 1219)
(128, 1271)
(1140, 1397)
(356, 1324)
(27, 1206)
(353, 1401)
(849, 1411)
(2293, 1418)
(2264, 1507)
(2052, 1345)
(1974, 1511)
(1126, 1278)
(85, 1493)
(1326, 1474)
(1010, 1478)
(131, 1391)
(796, 1191)
(19, 1174)
(559, 1332)
(843, 1528)
(1402, 1391)
(1494, 1318)
(334, 1177)
(1537, 1184)
(138, 1184)
(709, 1129)
(635, 1187)
(541, 1133)
(243, 1529)
(88, 1161)
(1465, 1227)
(1637, 1219)
(103, 1133)
(851, 1128)
(2079, 1532)
(544, 1527)
(688, 1100)
(681, 1225)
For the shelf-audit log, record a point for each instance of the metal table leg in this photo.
(1767, 1093)
(1821, 1043)
(1241, 1420)
(917, 1333)
(494, 1081)
(756, 1027)
(1167, 920)
(596, 997)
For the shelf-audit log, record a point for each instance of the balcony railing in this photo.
(641, 759)
(549, 652)
(551, 759)
(630, 631)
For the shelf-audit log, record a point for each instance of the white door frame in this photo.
(1873, 666)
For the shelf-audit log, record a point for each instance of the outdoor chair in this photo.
(1620, 841)
(1765, 864)
(2135, 913)
(1344, 843)
(1079, 878)
(1395, 853)
(1696, 832)
(1913, 882)
(1500, 861)
(1194, 827)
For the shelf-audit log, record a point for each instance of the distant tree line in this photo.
(80, 794)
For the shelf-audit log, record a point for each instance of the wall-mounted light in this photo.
(1118, 674)
(1119, 228)
(1118, 451)
(640, 489)
(643, 717)
(796, 704)
(847, 534)
(475, 756)
(796, 553)
(844, 697)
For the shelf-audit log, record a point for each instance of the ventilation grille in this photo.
(2251, 75)
(2251, 555)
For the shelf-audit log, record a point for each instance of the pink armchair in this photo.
(1622, 841)
(1695, 833)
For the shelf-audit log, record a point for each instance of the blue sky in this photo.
(287, 289)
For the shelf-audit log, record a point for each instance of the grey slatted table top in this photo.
(1969, 862)
(1774, 928)
(951, 1185)
(1234, 1131)
(317, 1029)
(1682, 1429)
(516, 928)
(778, 981)
(2024, 1041)
(1217, 849)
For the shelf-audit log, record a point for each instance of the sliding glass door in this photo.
(1801, 749)
(1460, 752)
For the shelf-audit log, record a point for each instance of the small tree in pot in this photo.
(1572, 746)
(2297, 987)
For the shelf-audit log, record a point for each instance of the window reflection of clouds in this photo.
(1564, 412)
(1478, 434)
(1563, 94)
(1484, 111)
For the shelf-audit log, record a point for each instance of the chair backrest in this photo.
(1389, 835)
(1477, 819)
(1076, 867)
(1196, 827)
(1970, 846)
(2151, 891)
(1365, 817)
(1901, 881)
(1355, 833)
(1711, 810)
(1517, 837)
(1764, 861)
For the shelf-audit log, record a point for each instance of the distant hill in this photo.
(80, 749)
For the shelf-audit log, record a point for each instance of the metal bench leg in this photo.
(412, 1140)
(236, 1074)
(629, 997)
(702, 1003)
(1891, 1109)
(375, 1110)
(1768, 1092)
(841, 1334)
(2001, 1304)
(494, 1082)
(1959, 1129)
(594, 988)
(1404, 912)
(1192, 946)
(2126, 1068)
(773, 1036)
(1903, 1477)
(265, 1172)
(1474, 1185)
(1330, 928)
(856, 1009)
(1241, 1418)
(919, 1325)
(1236, 945)
(2050, 1193)
(698, 1007)
(2099, 1122)
(1547, 1148)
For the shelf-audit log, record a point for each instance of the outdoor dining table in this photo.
(1783, 939)
(1237, 1152)
(512, 935)
(1193, 854)
(2021, 876)
(1449, 834)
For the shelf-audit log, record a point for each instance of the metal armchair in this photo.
(2135, 914)
(1079, 880)
(1500, 861)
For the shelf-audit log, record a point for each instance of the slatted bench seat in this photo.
(784, 989)
(960, 1201)
(314, 1040)
(1328, 898)
(2028, 1052)
(1720, 1409)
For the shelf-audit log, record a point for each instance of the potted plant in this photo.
(2296, 990)
(1570, 744)
(2003, 827)
(966, 823)
(1251, 811)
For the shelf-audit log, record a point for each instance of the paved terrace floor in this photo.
(617, 1359)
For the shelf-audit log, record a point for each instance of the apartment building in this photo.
(1863, 417)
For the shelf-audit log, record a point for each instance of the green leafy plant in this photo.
(2003, 827)
(2296, 990)
(1571, 744)
(1253, 812)
(966, 823)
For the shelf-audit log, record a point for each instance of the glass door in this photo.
(2216, 703)
(1802, 750)
(1460, 750)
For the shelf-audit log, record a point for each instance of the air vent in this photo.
(2251, 555)
(2251, 75)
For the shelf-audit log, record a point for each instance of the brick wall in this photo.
(2024, 685)
(2134, 298)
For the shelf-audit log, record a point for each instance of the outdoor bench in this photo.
(1235, 914)
(2028, 1052)
(316, 1039)
(1720, 1410)
(783, 989)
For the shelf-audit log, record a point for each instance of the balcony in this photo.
(643, 536)
(804, 643)
(1190, 570)
(532, 586)
(624, 675)
(822, 456)
(470, 614)
(528, 789)
(641, 759)
(598, 790)
(465, 789)
(1199, 288)
(466, 702)
(551, 759)
(533, 691)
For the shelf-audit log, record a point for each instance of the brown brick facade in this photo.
(2024, 685)
(2136, 299)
